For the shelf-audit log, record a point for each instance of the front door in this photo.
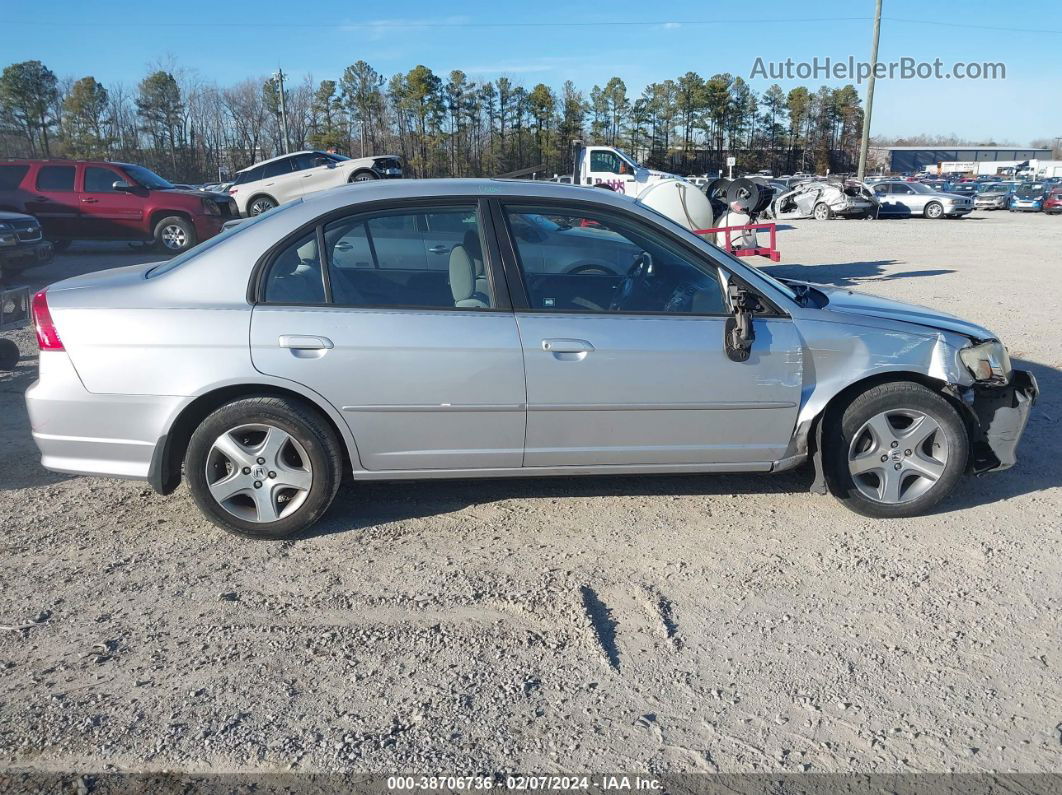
(631, 370)
(105, 211)
(53, 201)
(424, 364)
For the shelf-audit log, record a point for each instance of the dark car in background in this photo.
(1028, 198)
(22, 244)
(100, 200)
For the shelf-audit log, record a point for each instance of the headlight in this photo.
(987, 362)
(210, 207)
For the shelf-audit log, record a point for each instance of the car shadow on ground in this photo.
(847, 274)
(366, 504)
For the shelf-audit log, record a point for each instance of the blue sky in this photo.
(116, 41)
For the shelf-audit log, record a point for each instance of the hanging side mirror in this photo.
(738, 333)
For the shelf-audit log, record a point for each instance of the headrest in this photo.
(462, 274)
(471, 244)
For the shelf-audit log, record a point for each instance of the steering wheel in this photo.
(639, 271)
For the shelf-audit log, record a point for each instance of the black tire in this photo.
(59, 246)
(299, 420)
(716, 189)
(822, 212)
(362, 176)
(259, 205)
(934, 211)
(174, 234)
(842, 426)
(9, 354)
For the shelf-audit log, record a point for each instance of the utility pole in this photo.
(278, 78)
(865, 142)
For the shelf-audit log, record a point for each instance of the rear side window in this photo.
(295, 275)
(55, 178)
(11, 176)
(277, 169)
(253, 175)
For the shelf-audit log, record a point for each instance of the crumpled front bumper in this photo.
(1002, 412)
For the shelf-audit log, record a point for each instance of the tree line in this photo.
(193, 130)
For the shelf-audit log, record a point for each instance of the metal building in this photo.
(913, 159)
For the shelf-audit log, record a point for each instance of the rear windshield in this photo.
(206, 245)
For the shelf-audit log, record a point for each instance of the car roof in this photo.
(281, 157)
(384, 189)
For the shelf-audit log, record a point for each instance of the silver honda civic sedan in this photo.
(322, 338)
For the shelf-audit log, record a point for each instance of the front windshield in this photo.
(148, 178)
(225, 234)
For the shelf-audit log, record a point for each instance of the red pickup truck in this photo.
(100, 200)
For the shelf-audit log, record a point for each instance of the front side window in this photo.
(59, 178)
(388, 260)
(147, 178)
(101, 180)
(606, 162)
(583, 261)
(295, 275)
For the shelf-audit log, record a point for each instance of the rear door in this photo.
(422, 382)
(631, 369)
(104, 211)
(53, 200)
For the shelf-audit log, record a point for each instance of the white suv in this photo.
(264, 185)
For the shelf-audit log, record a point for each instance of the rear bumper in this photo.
(1002, 413)
(84, 433)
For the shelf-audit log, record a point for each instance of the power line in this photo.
(385, 24)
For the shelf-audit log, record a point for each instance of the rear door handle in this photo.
(439, 249)
(563, 345)
(303, 343)
(89, 201)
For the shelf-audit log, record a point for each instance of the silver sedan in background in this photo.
(319, 339)
(913, 198)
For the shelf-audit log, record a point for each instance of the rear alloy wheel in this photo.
(823, 212)
(264, 467)
(261, 204)
(174, 234)
(934, 210)
(896, 451)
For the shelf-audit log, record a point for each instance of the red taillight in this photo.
(47, 336)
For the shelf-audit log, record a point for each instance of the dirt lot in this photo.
(665, 624)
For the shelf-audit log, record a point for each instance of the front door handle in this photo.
(89, 201)
(439, 249)
(298, 342)
(562, 345)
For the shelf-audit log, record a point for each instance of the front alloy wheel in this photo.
(894, 451)
(897, 456)
(934, 210)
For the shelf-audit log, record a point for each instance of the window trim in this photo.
(514, 270)
(503, 304)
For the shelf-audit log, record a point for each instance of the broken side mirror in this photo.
(738, 333)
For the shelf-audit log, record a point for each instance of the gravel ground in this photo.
(664, 624)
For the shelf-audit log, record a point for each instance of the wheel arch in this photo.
(164, 472)
(157, 215)
(259, 195)
(361, 170)
(808, 437)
